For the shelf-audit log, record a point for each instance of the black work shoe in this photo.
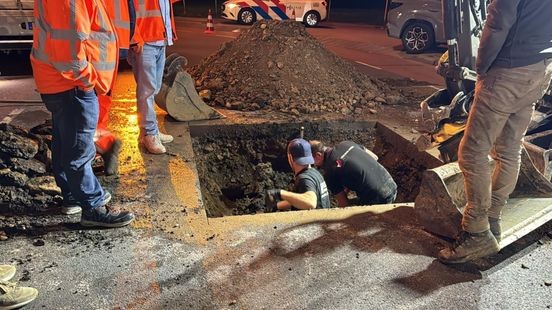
(111, 158)
(106, 216)
(495, 228)
(469, 247)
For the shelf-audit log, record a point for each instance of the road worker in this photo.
(349, 166)
(310, 190)
(74, 56)
(123, 17)
(155, 30)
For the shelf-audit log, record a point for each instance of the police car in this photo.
(310, 12)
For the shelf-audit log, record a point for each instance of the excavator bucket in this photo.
(178, 96)
(441, 201)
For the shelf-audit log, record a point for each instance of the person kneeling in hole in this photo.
(349, 166)
(310, 189)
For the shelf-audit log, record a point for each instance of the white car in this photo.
(310, 12)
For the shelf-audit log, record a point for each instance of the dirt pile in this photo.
(25, 158)
(279, 66)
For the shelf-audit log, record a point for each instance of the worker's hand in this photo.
(137, 48)
(272, 198)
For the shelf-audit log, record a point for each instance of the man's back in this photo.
(348, 165)
(517, 33)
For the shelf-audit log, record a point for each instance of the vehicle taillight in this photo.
(394, 5)
(323, 3)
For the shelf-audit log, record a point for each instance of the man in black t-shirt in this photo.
(310, 190)
(351, 167)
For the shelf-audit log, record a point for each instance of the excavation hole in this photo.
(238, 163)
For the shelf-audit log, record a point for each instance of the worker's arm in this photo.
(304, 201)
(342, 200)
(502, 14)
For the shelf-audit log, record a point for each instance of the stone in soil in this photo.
(13, 145)
(25, 159)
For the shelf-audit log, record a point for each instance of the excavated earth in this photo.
(279, 66)
(25, 165)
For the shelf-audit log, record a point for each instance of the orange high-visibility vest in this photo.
(149, 22)
(119, 14)
(74, 45)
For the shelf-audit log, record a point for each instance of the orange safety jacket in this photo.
(118, 11)
(149, 22)
(74, 45)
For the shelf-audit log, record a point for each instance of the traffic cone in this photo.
(210, 28)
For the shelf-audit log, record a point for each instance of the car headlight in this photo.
(231, 6)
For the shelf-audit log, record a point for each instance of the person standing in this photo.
(514, 67)
(74, 56)
(155, 30)
(123, 17)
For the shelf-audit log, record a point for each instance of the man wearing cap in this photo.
(310, 190)
(349, 166)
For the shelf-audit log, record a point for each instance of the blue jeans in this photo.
(74, 119)
(148, 72)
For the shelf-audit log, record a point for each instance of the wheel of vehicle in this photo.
(311, 19)
(247, 16)
(417, 37)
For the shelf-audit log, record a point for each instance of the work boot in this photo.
(152, 143)
(73, 207)
(111, 158)
(6, 272)
(495, 228)
(470, 246)
(12, 296)
(106, 216)
(165, 138)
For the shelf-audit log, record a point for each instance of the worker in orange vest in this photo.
(123, 17)
(74, 56)
(155, 29)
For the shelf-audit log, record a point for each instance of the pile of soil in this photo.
(277, 65)
(27, 185)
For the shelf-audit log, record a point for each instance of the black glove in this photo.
(271, 199)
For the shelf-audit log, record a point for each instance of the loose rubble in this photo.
(278, 65)
(25, 160)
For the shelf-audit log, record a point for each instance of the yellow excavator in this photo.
(441, 200)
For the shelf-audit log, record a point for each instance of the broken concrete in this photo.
(24, 162)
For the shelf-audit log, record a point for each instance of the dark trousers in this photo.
(74, 118)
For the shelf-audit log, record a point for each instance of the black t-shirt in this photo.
(311, 180)
(347, 165)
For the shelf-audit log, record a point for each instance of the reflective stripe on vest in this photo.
(100, 47)
(118, 12)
